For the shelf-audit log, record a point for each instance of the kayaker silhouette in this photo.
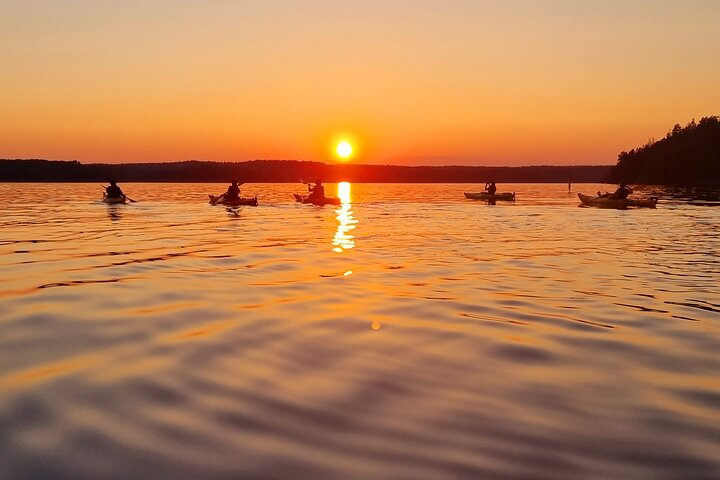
(317, 190)
(490, 188)
(113, 191)
(620, 194)
(233, 191)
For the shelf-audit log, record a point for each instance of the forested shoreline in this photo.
(288, 171)
(687, 156)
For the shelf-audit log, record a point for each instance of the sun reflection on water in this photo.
(343, 240)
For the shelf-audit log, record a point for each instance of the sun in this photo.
(344, 149)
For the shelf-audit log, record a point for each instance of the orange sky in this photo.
(409, 82)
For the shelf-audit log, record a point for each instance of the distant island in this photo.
(289, 171)
(687, 156)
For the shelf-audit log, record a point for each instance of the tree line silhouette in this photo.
(687, 156)
(288, 171)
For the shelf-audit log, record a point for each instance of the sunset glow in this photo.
(342, 239)
(344, 150)
(481, 83)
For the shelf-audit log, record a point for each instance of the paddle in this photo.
(309, 184)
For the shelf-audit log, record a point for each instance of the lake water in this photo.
(408, 334)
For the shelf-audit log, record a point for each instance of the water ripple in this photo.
(436, 338)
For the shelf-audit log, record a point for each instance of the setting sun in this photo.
(343, 149)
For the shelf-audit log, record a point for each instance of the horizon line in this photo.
(309, 161)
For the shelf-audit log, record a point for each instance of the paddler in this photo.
(490, 188)
(317, 190)
(622, 192)
(113, 191)
(233, 191)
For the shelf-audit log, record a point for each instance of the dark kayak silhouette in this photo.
(607, 202)
(317, 200)
(232, 203)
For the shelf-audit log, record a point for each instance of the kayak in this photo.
(232, 203)
(113, 200)
(317, 201)
(508, 196)
(606, 202)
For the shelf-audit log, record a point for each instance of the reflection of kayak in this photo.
(617, 203)
(509, 196)
(317, 201)
(232, 203)
(113, 200)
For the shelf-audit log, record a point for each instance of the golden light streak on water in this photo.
(205, 330)
(47, 371)
(343, 240)
(343, 192)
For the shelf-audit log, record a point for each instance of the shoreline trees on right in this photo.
(687, 156)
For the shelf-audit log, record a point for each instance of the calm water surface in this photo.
(408, 334)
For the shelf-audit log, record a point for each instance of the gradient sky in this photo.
(408, 82)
